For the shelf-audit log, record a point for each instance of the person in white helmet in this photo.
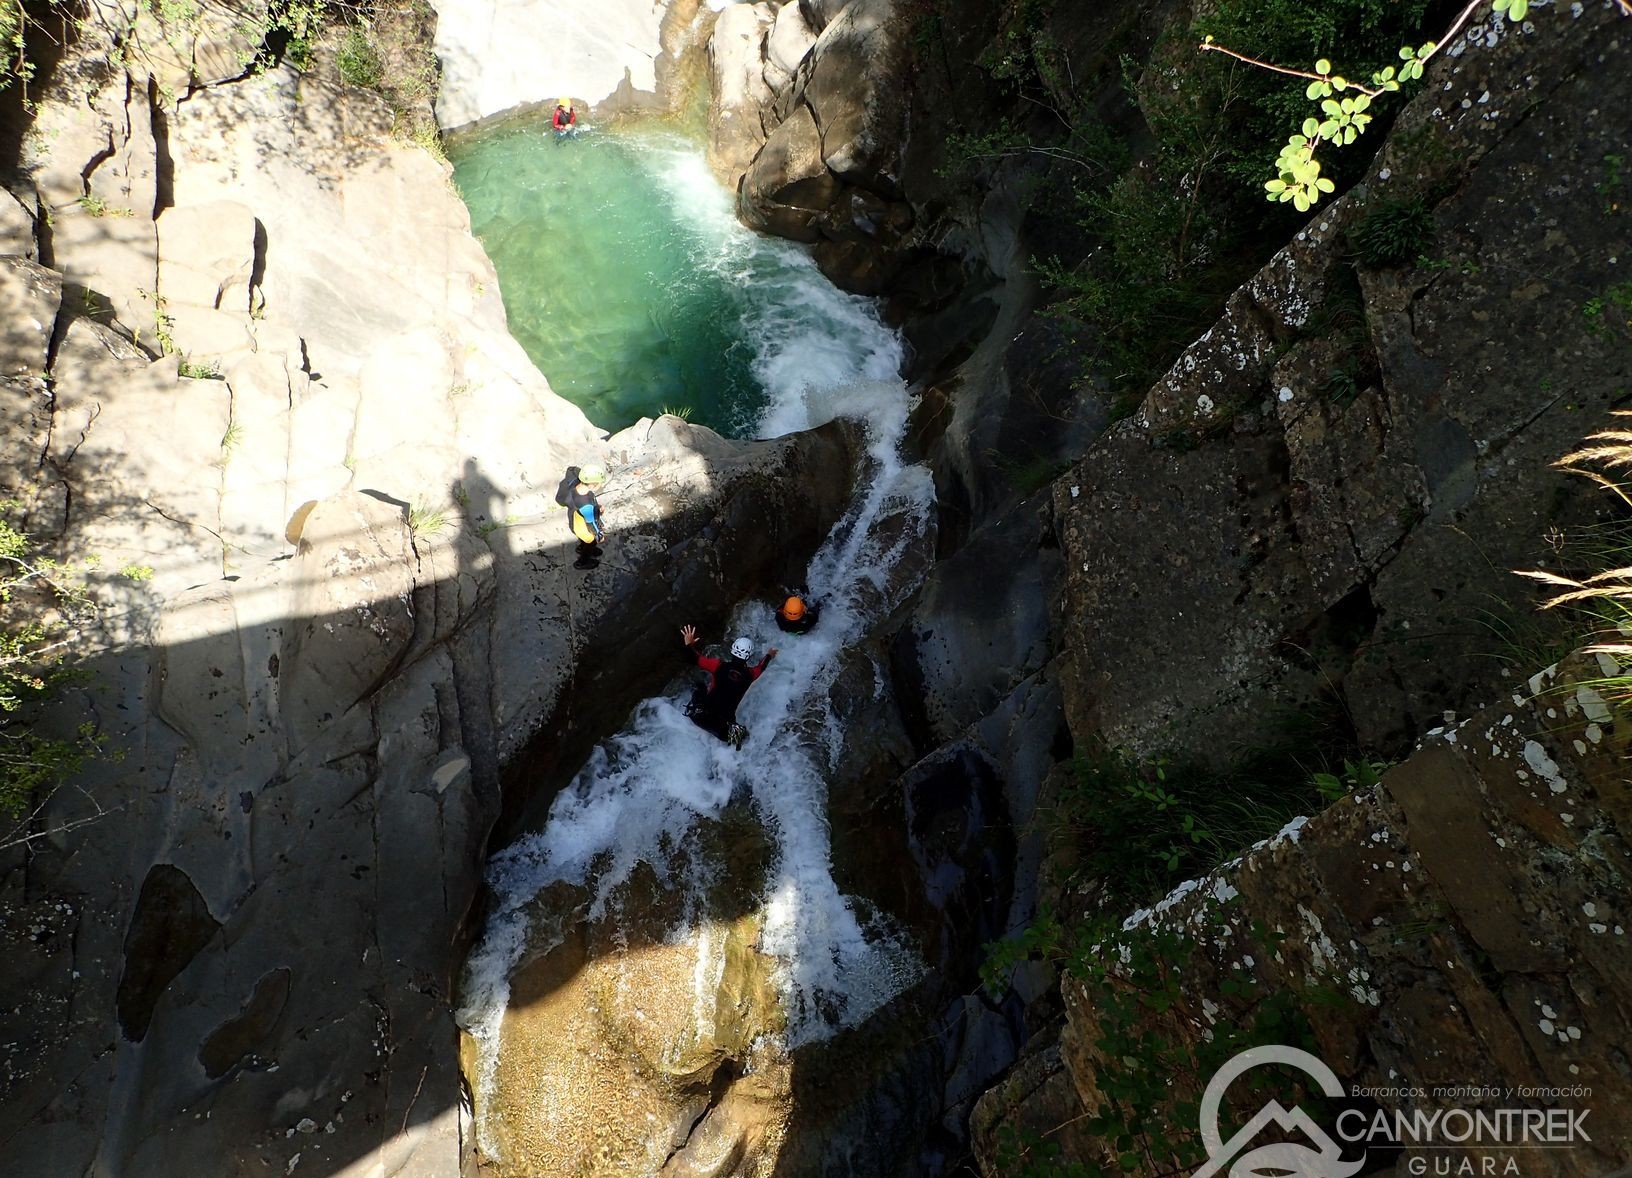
(714, 707)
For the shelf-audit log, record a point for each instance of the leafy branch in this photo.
(42, 607)
(1345, 102)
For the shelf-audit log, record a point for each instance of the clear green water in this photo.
(632, 286)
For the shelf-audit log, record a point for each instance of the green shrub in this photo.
(1393, 233)
(358, 61)
(41, 606)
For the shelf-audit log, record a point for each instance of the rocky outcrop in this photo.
(1461, 925)
(739, 92)
(500, 59)
(1323, 492)
(814, 140)
(262, 392)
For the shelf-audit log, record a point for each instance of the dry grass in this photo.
(1604, 597)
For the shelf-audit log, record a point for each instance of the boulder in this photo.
(857, 91)
(786, 44)
(788, 187)
(16, 228)
(818, 14)
(30, 296)
(738, 93)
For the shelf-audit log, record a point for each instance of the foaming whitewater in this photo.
(808, 338)
(819, 354)
(631, 284)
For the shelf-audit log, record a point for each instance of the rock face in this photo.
(498, 58)
(811, 127)
(1308, 509)
(264, 383)
(1465, 918)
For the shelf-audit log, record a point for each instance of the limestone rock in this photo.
(30, 296)
(1494, 841)
(1301, 506)
(202, 248)
(351, 615)
(738, 94)
(830, 169)
(855, 91)
(788, 186)
(16, 228)
(497, 59)
(114, 259)
(786, 44)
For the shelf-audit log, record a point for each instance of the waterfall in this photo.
(817, 354)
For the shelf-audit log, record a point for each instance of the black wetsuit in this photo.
(804, 625)
(714, 706)
(589, 555)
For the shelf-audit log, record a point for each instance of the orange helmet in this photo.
(793, 609)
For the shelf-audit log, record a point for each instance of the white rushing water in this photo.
(820, 354)
(807, 337)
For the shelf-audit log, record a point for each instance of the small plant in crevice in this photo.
(426, 521)
(1393, 233)
(231, 440)
(192, 370)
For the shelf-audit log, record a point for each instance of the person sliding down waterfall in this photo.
(565, 120)
(713, 706)
(798, 614)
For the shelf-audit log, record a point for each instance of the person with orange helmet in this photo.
(798, 614)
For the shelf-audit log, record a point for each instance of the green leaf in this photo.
(1517, 9)
(1314, 90)
(1323, 66)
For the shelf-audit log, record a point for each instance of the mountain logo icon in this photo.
(1320, 1158)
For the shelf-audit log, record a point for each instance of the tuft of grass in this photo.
(1601, 602)
(426, 521)
(683, 412)
(1394, 233)
(231, 440)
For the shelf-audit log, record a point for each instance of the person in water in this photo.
(798, 615)
(565, 119)
(584, 514)
(714, 707)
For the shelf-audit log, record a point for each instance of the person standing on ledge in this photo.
(565, 119)
(577, 494)
(714, 707)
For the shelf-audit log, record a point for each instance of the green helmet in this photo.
(593, 475)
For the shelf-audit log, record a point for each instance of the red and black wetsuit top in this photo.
(728, 682)
(564, 118)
